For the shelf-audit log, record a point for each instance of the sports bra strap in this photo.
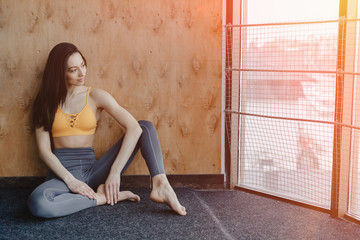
(87, 95)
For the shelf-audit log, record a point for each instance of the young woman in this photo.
(65, 115)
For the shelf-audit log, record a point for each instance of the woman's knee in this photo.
(40, 206)
(145, 123)
(147, 126)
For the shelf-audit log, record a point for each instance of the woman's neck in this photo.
(74, 90)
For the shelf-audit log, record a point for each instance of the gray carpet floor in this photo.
(212, 214)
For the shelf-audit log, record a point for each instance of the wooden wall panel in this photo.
(161, 59)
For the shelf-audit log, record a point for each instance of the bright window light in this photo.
(265, 11)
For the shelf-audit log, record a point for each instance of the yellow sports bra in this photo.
(70, 124)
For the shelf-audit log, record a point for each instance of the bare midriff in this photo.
(77, 141)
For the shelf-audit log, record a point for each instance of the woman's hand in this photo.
(77, 186)
(112, 188)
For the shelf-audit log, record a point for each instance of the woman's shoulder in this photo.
(97, 92)
(100, 96)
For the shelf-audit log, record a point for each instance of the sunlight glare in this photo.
(265, 11)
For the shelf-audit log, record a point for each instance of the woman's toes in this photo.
(127, 195)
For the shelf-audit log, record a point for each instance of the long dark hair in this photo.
(53, 90)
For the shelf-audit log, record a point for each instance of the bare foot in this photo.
(123, 195)
(127, 195)
(101, 197)
(163, 193)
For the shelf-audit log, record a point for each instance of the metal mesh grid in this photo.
(354, 186)
(280, 109)
(354, 195)
(286, 157)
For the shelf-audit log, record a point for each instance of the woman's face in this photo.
(76, 70)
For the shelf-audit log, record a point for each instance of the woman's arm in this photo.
(133, 131)
(44, 147)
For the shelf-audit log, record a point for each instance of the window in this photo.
(292, 115)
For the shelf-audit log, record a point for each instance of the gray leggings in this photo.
(54, 199)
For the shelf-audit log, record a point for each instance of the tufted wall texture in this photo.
(161, 60)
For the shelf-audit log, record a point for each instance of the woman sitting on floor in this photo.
(65, 115)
